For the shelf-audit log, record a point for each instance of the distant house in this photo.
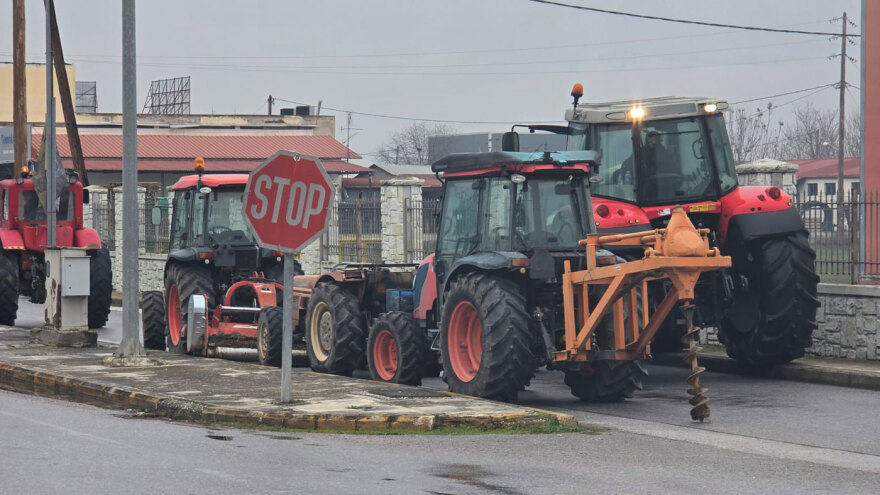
(819, 177)
(366, 184)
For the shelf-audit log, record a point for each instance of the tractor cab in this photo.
(658, 151)
(207, 226)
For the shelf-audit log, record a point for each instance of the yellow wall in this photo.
(35, 75)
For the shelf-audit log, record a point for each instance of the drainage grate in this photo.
(409, 393)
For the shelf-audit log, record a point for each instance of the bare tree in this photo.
(753, 135)
(410, 144)
(852, 139)
(811, 135)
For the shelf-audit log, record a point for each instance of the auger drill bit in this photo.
(700, 411)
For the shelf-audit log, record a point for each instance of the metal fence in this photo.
(103, 217)
(420, 227)
(358, 233)
(835, 233)
(153, 238)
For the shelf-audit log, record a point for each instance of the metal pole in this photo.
(49, 152)
(19, 87)
(130, 345)
(840, 133)
(287, 329)
(862, 195)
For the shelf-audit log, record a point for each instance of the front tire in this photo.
(484, 338)
(334, 330)
(153, 320)
(396, 349)
(772, 323)
(269, 334)
(183, 281)
(8, 288)
(100, 287)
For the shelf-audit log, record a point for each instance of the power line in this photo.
(782, 94)
(687, 21)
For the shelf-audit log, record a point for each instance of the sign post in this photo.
(286, 204)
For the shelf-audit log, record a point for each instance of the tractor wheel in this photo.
(608, 381)
(484, 338)
(100, 287)
(668, 336)
(269, 335)
(182, 281)
(334, 330)
(8, 288)
(773, 322)
(396, 349)
(153, 319)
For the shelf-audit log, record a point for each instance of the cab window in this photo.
(458, 223)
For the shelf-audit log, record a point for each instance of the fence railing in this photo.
(357, 236)
(835, 226)
(420, 228)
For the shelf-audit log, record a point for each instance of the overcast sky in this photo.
(461, 60)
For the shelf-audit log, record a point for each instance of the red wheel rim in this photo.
(465, 343)
(385, 355)
(174, 315)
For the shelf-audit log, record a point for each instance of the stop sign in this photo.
(287, 200)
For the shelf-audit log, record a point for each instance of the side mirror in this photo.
(156, 215)
(510, 141)
(86, 198)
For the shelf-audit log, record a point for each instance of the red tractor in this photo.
(213, 254)
(660, 152)
(23, 235)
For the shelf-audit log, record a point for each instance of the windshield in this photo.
(29, 208)
(676, 160)
(224, 223)
(547, 214)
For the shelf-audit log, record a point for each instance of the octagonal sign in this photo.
(287, 201)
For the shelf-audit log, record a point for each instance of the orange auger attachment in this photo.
(679, 253)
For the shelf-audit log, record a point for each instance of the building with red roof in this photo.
(819, 177)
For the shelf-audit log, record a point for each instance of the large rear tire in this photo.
(334, 330)
(484, 338)
(153, 320)
(183, 281)
(397, 349)
(773, 322)
(8, 288)
(269, 334)
(100, 287)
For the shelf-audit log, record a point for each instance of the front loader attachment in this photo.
(679, 253)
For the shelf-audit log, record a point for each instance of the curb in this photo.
(46, 384)
(794, 371)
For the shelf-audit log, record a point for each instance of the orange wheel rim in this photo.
(385, 355)
(465, 342)
(174, 315)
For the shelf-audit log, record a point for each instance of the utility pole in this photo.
(130, 346)
(840, 135)
(348, 128)
(19, 86)
(67, 107)
(270, 104)
(49, 132)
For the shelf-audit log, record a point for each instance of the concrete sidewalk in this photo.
(810, 369)
(221, 391)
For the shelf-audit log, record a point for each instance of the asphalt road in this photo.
(58, 447)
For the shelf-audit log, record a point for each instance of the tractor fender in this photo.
(424, 288)
(11, 239)
(189, 254)
(753, 200)
(492, 260)
(742, 229)
(622, 217)
(87, 238)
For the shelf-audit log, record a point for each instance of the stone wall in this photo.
(848, 322)
(849, 325)
(150, 266)
(766, 172)
(395, 193)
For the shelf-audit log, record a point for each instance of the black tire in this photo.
(410, 348)
(189, 278)
(334, 330)
(506, 364)
(153, 319)
(773, 322)
(269, 334)
(100, 287)
(8, 288)
(668, 336)
(608, 381)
